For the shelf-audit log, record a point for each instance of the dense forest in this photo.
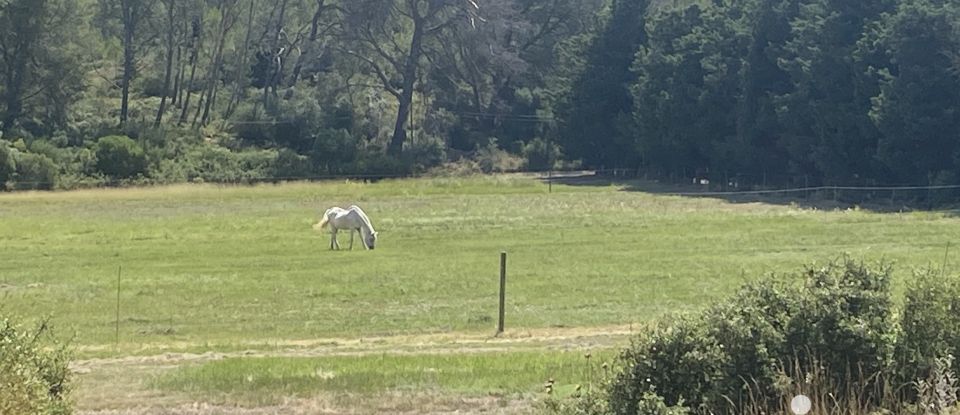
(139, 91)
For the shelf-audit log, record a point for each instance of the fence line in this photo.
(815, 189)
(548, 176)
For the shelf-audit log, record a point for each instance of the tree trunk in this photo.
(200, 103)
(130, 10)
(12, 94)
(178, 79)
(225, 25)
(270, 89)
(239, 82)
(194, 57)
(406, 96)
(168, 72)
(308, 48)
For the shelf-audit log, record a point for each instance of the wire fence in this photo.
(674, 183)
(793, 187)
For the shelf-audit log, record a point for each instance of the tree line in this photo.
(831, 91)
(173, 90)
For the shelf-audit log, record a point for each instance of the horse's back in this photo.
(362, 214)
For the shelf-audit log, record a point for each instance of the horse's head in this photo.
(370, 240)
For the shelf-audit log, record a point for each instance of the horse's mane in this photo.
(363, 216)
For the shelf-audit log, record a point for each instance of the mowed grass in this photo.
(204, 264)
(266, 380)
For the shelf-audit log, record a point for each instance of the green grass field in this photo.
(219, 269)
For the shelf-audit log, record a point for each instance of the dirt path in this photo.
(120, 385)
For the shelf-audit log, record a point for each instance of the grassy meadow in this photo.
(210, 268)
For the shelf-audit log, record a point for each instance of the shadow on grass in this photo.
(821, 198)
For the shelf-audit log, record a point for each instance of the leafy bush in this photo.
(424, 154)
(334, 151)
(120, 157)
(376, 163)
(33, 376)
(541, 155)
(36, 172)
(931, 325)
(291, 165)
(8, 166)
(492, 159)
(217, 164)
(768, 337)
(460, 168)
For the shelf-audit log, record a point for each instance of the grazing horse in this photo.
(350, 219)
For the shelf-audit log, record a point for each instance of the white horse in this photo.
(350, 219)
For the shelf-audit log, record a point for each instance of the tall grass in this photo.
(269, 379)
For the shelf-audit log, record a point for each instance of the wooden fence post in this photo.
(503, 289)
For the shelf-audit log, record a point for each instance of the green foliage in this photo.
(120, 157)
(739, 351)
(291, 165)
(818, 91)
(424, 153)
(493, 159)
(931, 324)
(914, 108)
(334, 151)
(8, 165)
(375, 162)
(211, 163)
(34, 372)
(541, 154)
(600, 95)
(36, 172)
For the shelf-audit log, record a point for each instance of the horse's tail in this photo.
(323, 223)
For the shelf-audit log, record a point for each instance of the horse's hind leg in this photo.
(333, 240)
(351, 239)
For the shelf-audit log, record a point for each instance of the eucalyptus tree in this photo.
(41, 67)
(387, 37)
(128, 20)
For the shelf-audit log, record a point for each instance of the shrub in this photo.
(931, 325)
(8, 166)
(460, 168)
(748, 351)
(334, 151)
(120, 157)
(291, 165)
(376, 163)
(492, 159)
(36, 172)
(424, 153)
(34, 377)
(677, 361)
(541, 155)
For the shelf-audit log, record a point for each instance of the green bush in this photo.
(424, 154)
(541, 155)
(291, 165)
(36, 172)
(34, 376)
(217, 164)
(492, 159)
(930, 321)
(746, 351)
(8, 166)
(334, 151)
(377, 163)
(120, 157)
